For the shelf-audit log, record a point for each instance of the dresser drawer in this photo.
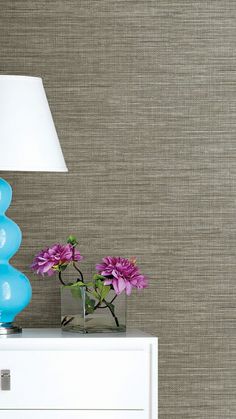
(101, 379)
(50, 414)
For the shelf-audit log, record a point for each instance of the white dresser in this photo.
(48, 374)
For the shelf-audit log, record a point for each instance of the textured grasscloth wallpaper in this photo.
(144, 99)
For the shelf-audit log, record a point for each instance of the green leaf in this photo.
(89, 304)
(97, 276)
(72, 240)
(99, 284)
(78, 284)
(62, 267)
(75, 292)
(75, 289)
(105, 291)
(102, 289)
(95, 294)
(75, 285)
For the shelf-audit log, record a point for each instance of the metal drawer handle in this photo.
(5, 380)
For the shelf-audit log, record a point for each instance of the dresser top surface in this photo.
(43, 333)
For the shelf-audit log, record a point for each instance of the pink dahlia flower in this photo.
(122, 274)
(48, 260)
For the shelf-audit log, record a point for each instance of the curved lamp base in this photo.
(15, 288)
(9, 329)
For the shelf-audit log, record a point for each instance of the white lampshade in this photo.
(28, 138)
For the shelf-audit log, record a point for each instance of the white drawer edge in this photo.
(153, 385)
(72, 410)
(73, 414)
(72, 345)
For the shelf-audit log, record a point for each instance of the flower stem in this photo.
(66, 321)
(112, 312)
(75, 266)
(78, 270)
(113, 299)
(60, 278)
(97, 306)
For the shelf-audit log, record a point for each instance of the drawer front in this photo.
(50, 414)
(76, 379)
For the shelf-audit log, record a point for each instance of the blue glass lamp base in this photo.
(15, 288)
(9, 329)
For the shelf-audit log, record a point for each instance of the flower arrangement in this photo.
(114, 276)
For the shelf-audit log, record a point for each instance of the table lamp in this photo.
(28, 142)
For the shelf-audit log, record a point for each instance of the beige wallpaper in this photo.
(143, 94)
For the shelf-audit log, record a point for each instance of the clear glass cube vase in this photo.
(81, 314)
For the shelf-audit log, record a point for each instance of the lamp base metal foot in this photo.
(9, 329)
